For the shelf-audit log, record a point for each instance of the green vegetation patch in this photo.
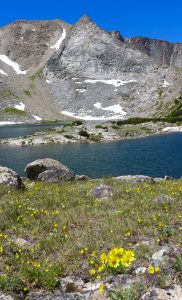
(73, 123)
(27, 93)
(36, 75)
(84, 133)
(13, 111)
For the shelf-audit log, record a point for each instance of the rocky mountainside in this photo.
(52, 70)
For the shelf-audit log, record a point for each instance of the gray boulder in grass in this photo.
(48, 169)
(102, 191)
(10, 178)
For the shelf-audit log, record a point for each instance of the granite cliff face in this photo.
(162, 51)
(50, 70)
(107, 77)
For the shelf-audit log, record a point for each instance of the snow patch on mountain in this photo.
(12, 64)
(86, 117)
(116, 108)
(37, 118)
(114, 82)
(20, 106)
(165, 84)
(3, 73)
(80, 90)
(59, 42)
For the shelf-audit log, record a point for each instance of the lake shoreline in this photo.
(90, 133)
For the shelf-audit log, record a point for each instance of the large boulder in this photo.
(48, 169)
(135, 179)
(10, 178)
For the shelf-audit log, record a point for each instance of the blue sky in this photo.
(157, 19)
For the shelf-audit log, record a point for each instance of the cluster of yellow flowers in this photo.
(116, 259)
(153, 269)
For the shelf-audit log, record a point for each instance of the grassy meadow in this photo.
(67, 231)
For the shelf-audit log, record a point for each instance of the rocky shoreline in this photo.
(90, 132)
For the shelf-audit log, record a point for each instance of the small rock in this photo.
(142, 243)
(10, 178)
(158, 257)
(5, 297)
(164, 199)
(135, 179)
(161, 294)
(90, 286)
(53, 296)
(71, 284)
(141, 270)
(102, 191)
(122, 280)
(21, 243)
(158, 179)
(168, 178)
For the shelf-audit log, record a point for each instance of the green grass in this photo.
(13, 111)
(27, 93)
(60, 220)
(36, 75)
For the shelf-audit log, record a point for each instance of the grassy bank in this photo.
(67, 230)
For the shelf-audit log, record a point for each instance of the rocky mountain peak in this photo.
(117, 35)
(85, 20)
(50, 68)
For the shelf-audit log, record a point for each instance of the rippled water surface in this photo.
(154, 156)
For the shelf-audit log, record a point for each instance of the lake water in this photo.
(10, 131)
(155, 156)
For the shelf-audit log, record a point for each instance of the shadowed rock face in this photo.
(162, 51)
(91, 74)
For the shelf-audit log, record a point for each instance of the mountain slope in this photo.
(25, 47)
(52, 70)
(107, 78)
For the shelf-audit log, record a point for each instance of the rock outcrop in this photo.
(163, 52)
(48, 169)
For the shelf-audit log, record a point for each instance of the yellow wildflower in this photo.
(92, 272)
(101, 288)
(103, 258)
(113, 262)
(101, 268)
